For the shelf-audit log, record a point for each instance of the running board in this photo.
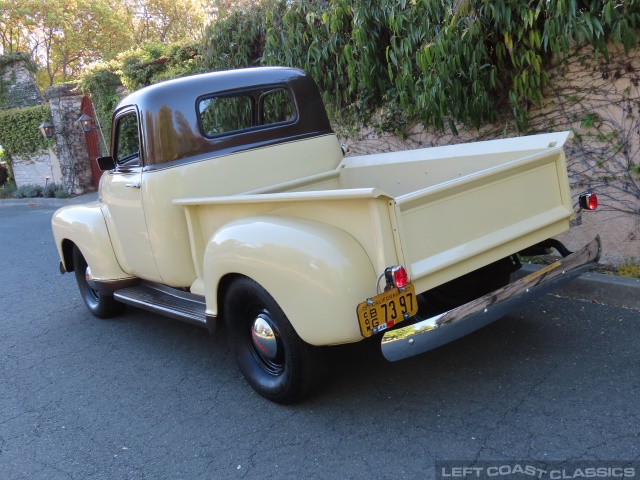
(167, 301)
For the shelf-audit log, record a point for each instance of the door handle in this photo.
(132, 185)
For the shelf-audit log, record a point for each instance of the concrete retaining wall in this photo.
(37, 169)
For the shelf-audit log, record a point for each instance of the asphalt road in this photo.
(142, 396)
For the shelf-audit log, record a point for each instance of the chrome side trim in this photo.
(436, 331)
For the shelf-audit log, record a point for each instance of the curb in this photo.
(599, 288)
(48, 202)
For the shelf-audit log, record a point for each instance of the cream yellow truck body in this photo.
(201, 201)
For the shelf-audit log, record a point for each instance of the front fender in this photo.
(317, 273)
(84, 226)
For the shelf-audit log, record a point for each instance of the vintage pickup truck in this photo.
(227, 198)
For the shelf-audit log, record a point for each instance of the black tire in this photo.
(102, 306)
(284, 374)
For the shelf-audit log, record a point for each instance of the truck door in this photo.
(122, 200)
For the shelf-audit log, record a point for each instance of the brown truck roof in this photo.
(168, 115)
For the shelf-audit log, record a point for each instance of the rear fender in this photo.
(317, 273)
(84, 226)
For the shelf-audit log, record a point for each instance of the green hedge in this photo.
(19, 133)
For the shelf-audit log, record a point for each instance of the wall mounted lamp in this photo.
(86, 122)
(46, 128)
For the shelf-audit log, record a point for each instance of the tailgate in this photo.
(458, 226)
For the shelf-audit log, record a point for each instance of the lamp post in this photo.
(86, 122)
(46, 128)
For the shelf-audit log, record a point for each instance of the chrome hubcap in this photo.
(89, 278)
(267, 344)
(264, 338)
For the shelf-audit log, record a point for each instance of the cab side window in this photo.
(127, 152)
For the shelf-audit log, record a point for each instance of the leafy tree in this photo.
(12, 32)
(165, 21)
(69, 34)
(64, 36)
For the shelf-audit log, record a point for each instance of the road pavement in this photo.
(145, 397)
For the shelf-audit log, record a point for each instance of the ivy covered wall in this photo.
(445, 63)
(19, 132)
(21, 112)
(35, 160)
(17, 88)
(439, 63)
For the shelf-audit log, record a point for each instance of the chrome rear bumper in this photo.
(436, 331)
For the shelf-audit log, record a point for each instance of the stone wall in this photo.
(68, 162)
(70, 143)
(20, 89)
(41, 168)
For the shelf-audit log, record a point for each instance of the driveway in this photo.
(145, 397)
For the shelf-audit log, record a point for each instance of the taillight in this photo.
(396, 276)
(588, 201)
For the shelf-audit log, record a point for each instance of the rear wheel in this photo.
(102, 306)
(275, 361)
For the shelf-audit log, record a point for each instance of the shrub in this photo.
(630, 268)
(28, 191)
(7, 190)
(61, 193)
(49, 191)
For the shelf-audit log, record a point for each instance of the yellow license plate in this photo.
(385, 310)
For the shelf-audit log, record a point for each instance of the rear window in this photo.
(228, 114)
(276, 107)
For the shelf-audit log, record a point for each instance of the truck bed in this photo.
(449, 209)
